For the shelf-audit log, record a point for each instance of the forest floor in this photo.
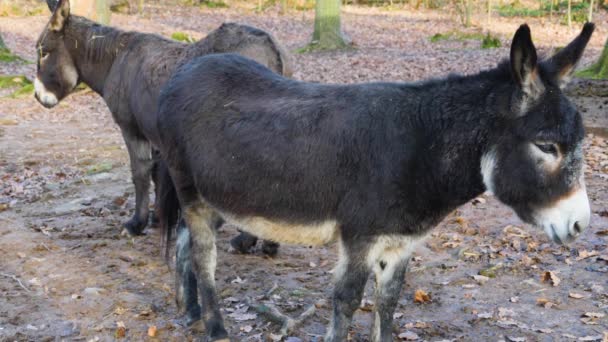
(69, 272)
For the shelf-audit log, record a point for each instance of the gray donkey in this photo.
(127, 69)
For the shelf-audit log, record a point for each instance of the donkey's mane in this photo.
(100, 42)
(501, 72)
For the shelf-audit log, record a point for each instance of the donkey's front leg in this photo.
(390, 273)
(141, 163)
(350, 277)
(200, 218)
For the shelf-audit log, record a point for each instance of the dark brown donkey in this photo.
(127, 69)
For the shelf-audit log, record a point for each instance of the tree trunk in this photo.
(469, 10)
(328, 31)
(97, 10)
(569, 14)
(489, 12)
(599, 70)
(590, 16)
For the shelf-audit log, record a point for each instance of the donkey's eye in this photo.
(548, 148)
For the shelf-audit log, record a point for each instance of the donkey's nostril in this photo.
(577, 227)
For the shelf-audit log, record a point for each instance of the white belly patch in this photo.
(298, 234)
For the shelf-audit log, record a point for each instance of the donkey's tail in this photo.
(167, 206)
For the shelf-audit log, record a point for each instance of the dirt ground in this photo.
(69, 272)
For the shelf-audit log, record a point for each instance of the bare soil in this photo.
(69, 272)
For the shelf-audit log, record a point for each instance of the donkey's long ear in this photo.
(523, 61)
(52, 4)
(60, 15)
(563, 63)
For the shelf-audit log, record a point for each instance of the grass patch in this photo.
(205, 3)
(182, 37)
(23, 86)
(214, 4)
(13, 9)
(7, 56)
(456, 35)
(314, 46)
(490, 42)
(99, 168)
(515, 10)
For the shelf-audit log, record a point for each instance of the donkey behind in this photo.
(127, 69)
(374, 166)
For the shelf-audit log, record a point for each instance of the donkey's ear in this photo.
(523, 61)
(60, 15)
(52, 4)
(563, 63)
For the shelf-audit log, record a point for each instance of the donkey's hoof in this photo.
(243, 243)
(270, 248)
(154, 220)
(135, 226)
(195, 326)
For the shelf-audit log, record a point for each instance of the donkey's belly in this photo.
(301, 234)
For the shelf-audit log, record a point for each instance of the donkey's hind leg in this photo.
(141, 163)
(186, 296)
(350, 278)
(200, 219)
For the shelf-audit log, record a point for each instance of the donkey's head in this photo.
(56, 74)
(535, 165)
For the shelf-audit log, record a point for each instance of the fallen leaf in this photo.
(275, 337)
(121, 330)
(504, 312)
(397, 315)
(481, 279)
(408, 336)
(420, 296)
(575, 295)
(366, 305)
(591, 338)
(484, 315)
(152, 331)
(516, 339)
(545, 302)
(551, 277)
(479, 200)
(594, 314)
(589, 321)
(239, 316)
(246, 328)
(584, 254)
(237, 280)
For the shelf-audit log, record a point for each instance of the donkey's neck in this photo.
(458, 120)
(94, 48)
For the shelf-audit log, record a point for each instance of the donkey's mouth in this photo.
(552, 232)
(46, 103)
